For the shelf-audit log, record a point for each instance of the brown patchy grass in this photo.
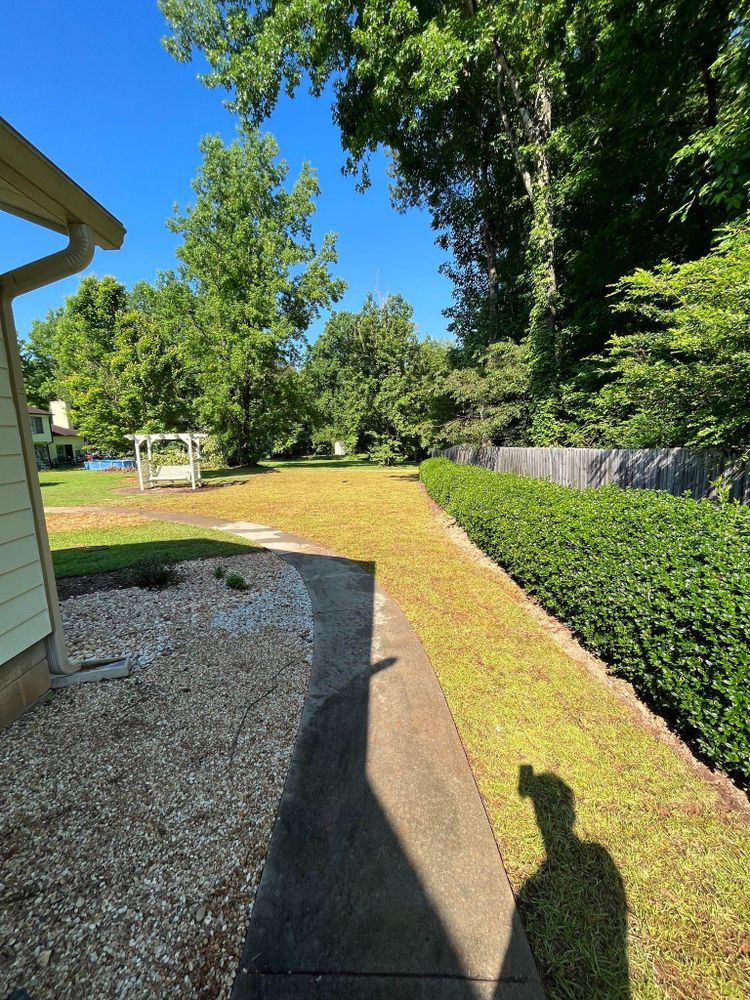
(519, 698)
(81, 520)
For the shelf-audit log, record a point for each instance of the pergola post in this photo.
(190, 456)
(138, 460)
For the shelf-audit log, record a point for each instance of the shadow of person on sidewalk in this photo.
(574, 906)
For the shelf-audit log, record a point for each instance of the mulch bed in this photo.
(76, 586)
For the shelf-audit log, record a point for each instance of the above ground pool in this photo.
(102, 464)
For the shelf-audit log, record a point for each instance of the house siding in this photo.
(24, 612)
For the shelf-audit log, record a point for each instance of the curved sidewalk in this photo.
(383, 880)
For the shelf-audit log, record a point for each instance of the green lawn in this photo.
(680, 917)
(63, 488)
(113, 546)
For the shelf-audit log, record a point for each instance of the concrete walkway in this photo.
(383, 880)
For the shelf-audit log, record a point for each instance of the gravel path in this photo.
(135, 814)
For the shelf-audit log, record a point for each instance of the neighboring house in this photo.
(56, 442)
(32, 644)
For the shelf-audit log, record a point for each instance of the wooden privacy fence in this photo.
(676, 470)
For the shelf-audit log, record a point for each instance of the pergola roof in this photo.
(143, 438)
(33, 188)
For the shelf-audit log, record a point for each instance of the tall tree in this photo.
(491, 395)
(556, 144)
(258, 281)
(119, 369)
(376, 385)
(38, 361)
(680, 375)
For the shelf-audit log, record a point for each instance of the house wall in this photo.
(46, 436)
(59, 443)
(24, 679)
(26, 618)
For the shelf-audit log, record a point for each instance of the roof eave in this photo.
(37, 190)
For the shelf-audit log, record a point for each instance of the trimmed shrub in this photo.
(151, 573)
(659, 586)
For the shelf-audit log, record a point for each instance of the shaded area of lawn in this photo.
(519, 699)
(113, 546)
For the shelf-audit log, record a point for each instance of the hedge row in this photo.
(657, 585)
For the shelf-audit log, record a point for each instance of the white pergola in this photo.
(190, 473)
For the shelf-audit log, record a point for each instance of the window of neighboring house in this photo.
(37, 426)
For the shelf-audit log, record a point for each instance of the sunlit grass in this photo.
(517, 698)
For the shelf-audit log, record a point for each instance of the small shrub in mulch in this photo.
(151, 574)
(235, 582)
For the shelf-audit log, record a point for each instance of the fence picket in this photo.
(674, 470)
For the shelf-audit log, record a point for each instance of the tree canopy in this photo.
(586, 167)
(375, 385)
(558, 146)
(258, 281)
(118, 368)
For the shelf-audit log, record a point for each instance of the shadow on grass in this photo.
(239, 473)
(82, 560)
(48, 482)
(574, 906)
(322, 463)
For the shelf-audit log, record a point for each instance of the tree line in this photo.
(586, 164)
(586, 168)
(219, 343)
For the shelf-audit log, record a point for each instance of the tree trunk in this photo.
(536, 128)
(489, 235)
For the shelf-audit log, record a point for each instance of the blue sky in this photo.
(89, 83)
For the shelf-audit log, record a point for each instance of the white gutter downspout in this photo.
(38, 273)
(73, 258)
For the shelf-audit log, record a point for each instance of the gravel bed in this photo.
(135, 814)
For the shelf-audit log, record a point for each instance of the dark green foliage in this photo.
(219, 572)
(151, 573)
(491, 395)
(38, 362)
(556, 146)
(375, 384)
(257, 280)
(657, 585)
(114, 358)
(216, 345)
(235, 582)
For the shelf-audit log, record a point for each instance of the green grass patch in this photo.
(72, 487)
(77, 552)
